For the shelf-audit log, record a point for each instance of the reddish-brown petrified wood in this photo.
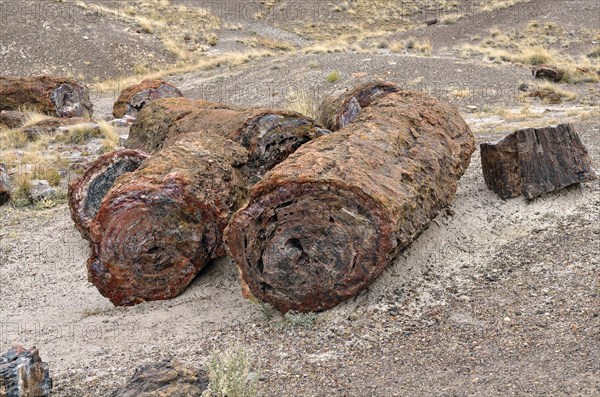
(322, 225)
(337, 111)
(87, 192)
(55, 96)
(136, 97)
(160, 225)
(268, 135)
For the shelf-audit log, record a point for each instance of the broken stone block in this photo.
(534, 161)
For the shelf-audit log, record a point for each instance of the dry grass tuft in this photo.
(230, 375)
(303, 101)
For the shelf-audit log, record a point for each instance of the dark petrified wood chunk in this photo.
(23, 374)
(534, 161)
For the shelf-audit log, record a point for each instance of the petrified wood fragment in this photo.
(322, 225)
(268, 135)
(23, 374)
(5, 185)
(55, 96)
(548, 72)
(534, 161)
(166, 379)
(87, 192)
(159, 225)
(134, 98)
(337, 111)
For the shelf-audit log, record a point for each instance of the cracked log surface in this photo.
(535, 161)
(269, 135)
(87, 192)
(160, 225)
(324, 224)
(337, 111)
(134, 98)
(55, 96)
(23, 374)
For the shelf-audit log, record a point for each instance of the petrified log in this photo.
(337, 111)
(159, 225)
(134, 98)
(87, 192)
(23, 374)
(322, 225)
(166, 379)
(268, 135)
(5, 185)
(534, 161)
(55, 96)
(548, 72)
(12, 118)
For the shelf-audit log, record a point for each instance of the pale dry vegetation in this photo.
(535, 46)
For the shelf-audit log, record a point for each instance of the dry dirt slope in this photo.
(497, 298)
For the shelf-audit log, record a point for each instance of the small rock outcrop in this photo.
(534, 161)
(166, 379)
(134, 98)
(40, 190)
(23, 374)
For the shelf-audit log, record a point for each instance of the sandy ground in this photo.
(496, 298)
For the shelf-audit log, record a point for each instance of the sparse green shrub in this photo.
(333, 76)
(230, 375)
(294, 319)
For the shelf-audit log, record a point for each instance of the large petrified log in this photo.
(337, 111)
(165, 379)
(159, 225)
(322, 225)
(534, 161)
(55, 96)
(5, 185)
(23, 374)
(134, 98)
(269, 135)
(87, 192)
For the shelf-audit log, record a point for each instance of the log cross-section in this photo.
(322, 225)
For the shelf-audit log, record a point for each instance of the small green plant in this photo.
(333, 76)
(294, 319)
(44, 203)
(230, 375)
(213, 40)
(267, 310)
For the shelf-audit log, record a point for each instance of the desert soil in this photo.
(496, 298)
